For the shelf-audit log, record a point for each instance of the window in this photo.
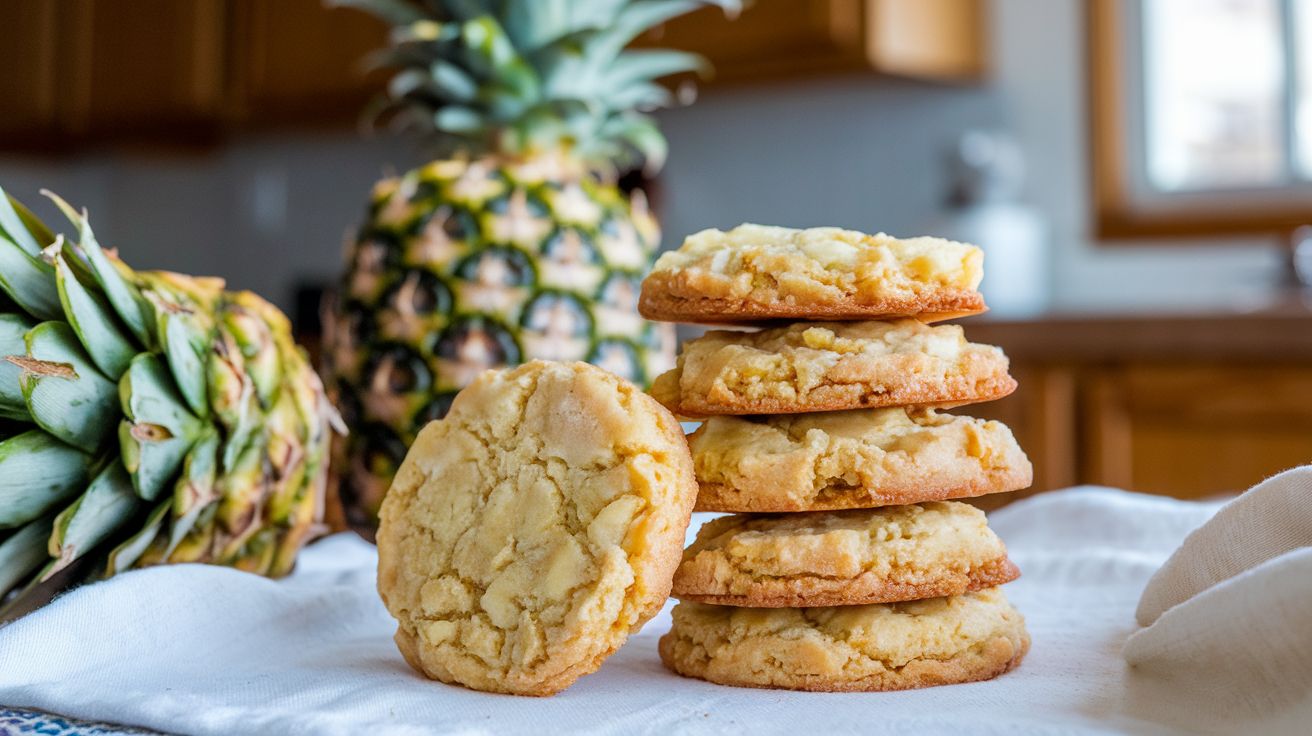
(1202, 115)
(1302, 70)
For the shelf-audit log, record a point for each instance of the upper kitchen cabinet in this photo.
(938, 40)
(297, 62)
(177, 71)
(83, 69)
(27, 78)
(185, 71)
(117, 73)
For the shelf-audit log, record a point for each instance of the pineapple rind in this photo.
(203, 437)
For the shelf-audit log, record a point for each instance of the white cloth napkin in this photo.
(214, 651)
(1229, 617)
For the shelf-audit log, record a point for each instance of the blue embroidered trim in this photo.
(16, 721)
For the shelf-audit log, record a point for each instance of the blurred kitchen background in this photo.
(1136, 171)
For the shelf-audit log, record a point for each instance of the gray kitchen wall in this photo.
(269, 212)
(852, 152)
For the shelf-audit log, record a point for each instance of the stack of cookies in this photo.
(845, 565)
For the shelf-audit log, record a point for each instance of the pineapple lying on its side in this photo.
(145, 417)
(517, 243)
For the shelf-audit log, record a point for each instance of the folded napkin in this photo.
(214, 651)
(1228, 641)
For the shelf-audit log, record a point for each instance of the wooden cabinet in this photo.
(151, 69)
(80, 71)
(1189, 407)
(89, 70)
(1196, 430)
(1044, 416)
(294, 61)
(27, 78)
(942, 40)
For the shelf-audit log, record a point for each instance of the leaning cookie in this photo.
(531, 530)
(884, 646)
(757, 272)
(843, 558)
(829, 366)
(855, 459)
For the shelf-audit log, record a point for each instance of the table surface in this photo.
(313, 654)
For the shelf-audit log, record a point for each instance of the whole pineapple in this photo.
(517, 242)
(145, 417)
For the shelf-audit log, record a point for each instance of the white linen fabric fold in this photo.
(1229, 616)
(214, 651)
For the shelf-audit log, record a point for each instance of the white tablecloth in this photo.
(213, 651)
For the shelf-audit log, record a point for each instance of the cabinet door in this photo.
(1042, 415)
(299, 61)
(140, 66)
(27, 77)
(1197, 430)
(928, 39)
(771, 37)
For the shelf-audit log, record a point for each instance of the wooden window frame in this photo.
(1119, 214)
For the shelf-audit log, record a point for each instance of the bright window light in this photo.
(1214, 93)
(1302, 20)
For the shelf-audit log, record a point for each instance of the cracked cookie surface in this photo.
(831, 366)
(884, 646)
(840, 558)
(861, 458)
(760, 272)
(531, 530)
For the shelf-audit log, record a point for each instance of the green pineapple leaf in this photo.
(37, 474)
(157, 430)
(641, 138)
(104, 508)
(23, 552)
(458, 120)
(19, 225)
(92, 319)
(396, 12)
(13, 328)
(130, 551)
(636, 67)
(195, 490)
(29, 281)
(532, 24)
(128, 303)
(66, 395)
(520, 76)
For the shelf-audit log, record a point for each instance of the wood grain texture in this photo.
(941, 40)
(1184, 405)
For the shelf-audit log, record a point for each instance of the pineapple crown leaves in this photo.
(145, 417)
(520, 76)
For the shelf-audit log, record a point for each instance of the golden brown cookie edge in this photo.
(809, 592)
(926, 394)
(662, 301)
(672, 554)
(997, 657)
(719, 497)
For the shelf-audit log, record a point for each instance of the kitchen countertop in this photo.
(1276, 330)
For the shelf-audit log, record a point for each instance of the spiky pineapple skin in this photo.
(464, 265)
(146, 417)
